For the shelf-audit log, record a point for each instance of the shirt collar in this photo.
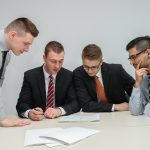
(46, 75)
(3, 45)
(99, 74)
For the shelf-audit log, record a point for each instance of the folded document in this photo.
(33, 137)
(71, 135)
(80, 118)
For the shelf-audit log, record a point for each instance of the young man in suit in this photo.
(139, 56)
(16, 37)
(48, 90)
(101, 87)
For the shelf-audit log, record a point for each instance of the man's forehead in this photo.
(91, 61)
(133, 50)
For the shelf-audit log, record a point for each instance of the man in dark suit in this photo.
(101, 87)
(48, 91)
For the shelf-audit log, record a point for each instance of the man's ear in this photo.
(148, 51)
(44, 57)
(12, 34)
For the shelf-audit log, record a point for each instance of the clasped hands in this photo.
(38, 114)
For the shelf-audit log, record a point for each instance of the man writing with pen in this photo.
(47, 91)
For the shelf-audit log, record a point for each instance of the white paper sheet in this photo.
(72, 134)
(53, 144)
(80, 118)
(33, 137)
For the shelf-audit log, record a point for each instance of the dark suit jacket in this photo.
(33, 93)
(117, 82)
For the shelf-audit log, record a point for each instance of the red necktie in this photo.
(100, 90)
(50, 95)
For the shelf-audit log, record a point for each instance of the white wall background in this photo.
(75, 23)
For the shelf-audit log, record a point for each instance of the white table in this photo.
(120, 131)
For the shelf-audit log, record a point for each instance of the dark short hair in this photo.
(92, 52)
(53, 46)
(140, 43)
(23, 25)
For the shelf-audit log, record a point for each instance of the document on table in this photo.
(80, 118)
(71, 135)
(33, 137)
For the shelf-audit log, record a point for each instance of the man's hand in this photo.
(36, 114)
(139, 72)
(122, 107)
(12, 122)
(52, 113)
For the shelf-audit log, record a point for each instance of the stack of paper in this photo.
(80, 118)
(57, 136)
(71, 135)
(33, 137)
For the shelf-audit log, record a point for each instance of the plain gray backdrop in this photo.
(111, 24)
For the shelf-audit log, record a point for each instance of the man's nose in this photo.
(131, 62)
(90, 70)
(57, 64)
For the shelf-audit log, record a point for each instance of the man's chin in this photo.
(91, 75)
(16, 54)
(55, 72)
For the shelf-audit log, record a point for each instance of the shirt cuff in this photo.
(25, 114)
(63, 112)
(113, 107)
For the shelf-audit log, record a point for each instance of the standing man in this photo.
(101, 87)
(16, 37)
(139, 57)
(48, 91)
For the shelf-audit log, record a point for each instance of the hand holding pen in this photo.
(36, 114)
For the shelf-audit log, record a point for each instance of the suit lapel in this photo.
(58, 86)
(105, 77)
(41, 83)
(90, 83)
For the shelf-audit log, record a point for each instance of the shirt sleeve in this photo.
(25, 114)
(136, 103)
(63, 112)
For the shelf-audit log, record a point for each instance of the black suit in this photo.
(117, 82)
(33, 92)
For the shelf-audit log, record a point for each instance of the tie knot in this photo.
(96, 77)
(51, 77)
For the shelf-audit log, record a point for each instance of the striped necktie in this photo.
(50, 95)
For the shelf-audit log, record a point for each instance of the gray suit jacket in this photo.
(139, 101)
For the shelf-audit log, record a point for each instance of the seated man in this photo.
(101, 87)
(139, 57)
(48, 91)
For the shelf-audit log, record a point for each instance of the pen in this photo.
(38, 110)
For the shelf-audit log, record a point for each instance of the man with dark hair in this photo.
(139, 57)
(16, 37)
(101, 87)
(48, 90)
